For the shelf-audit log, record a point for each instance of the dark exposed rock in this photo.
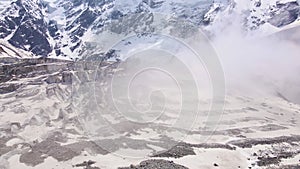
(53, 149)
(283, 147)
(295, 166)
(177, 152)
(153, 3)
(67, 77)
(8, 88)
(213, 145)
(3, 148)
(266, 161)
(184, 149)
(16, 124)
(27, 27)
(37, 41)
(275, 156)
(257, 3)
(32, 158)
(49, 148)
(249, 143)
(116, 15)
(87, 165)
(53, 79)
(153, 164)
(286, 14)
(27, 68)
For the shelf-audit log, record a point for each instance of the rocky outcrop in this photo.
(151, 164)
(284, 13)
(40, 70)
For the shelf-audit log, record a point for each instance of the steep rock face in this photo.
(285, 13)
(24, 27)
(35, 26)
(276, 13)
(78, 17)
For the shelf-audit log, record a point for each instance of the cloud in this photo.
(260, 66)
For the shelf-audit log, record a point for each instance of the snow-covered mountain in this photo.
(62, 28)
(57, 113)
